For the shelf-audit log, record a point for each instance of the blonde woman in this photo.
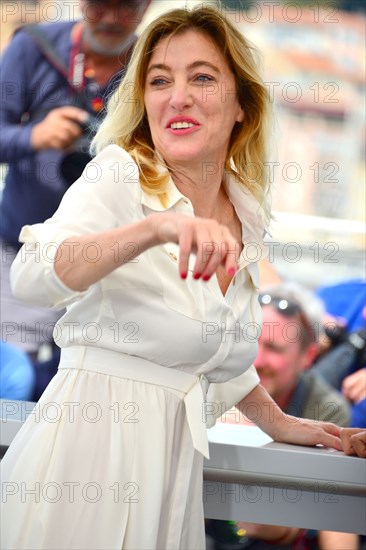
(148, 252)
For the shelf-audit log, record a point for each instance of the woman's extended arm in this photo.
(260, 408)
(78, 272)
(192, 234)
(102, 212)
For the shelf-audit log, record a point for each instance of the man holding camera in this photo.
(55, 79)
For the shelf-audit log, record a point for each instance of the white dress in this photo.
(112, 456)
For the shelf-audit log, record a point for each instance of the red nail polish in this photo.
(183, 275)
(197, 276)
(231, 271)
(206, 277)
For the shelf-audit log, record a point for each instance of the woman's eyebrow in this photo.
(193, 65)
(200, 62)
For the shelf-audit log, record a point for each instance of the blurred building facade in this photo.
(314, 66)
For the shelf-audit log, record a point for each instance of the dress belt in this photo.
(114, 363)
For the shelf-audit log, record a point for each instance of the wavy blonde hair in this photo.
(126, 122)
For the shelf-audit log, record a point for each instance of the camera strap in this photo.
(48, 50)
(74, 75)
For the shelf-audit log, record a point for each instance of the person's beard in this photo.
(98, 47)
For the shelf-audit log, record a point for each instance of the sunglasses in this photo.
(289, 308)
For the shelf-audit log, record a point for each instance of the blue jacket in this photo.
(30, 88)
(17, 375)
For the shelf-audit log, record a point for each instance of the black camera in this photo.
(356, 341)
(77, 156)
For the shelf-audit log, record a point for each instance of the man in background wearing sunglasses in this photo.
(55, 79)
(287, 348)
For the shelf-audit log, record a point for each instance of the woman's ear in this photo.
(240, 117)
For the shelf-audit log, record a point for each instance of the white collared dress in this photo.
(112, 455)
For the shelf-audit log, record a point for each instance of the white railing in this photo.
(251, 478)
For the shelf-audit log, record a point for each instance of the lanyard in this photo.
(77, 61)
(77, 73)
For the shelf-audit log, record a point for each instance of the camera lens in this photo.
(72, 166)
